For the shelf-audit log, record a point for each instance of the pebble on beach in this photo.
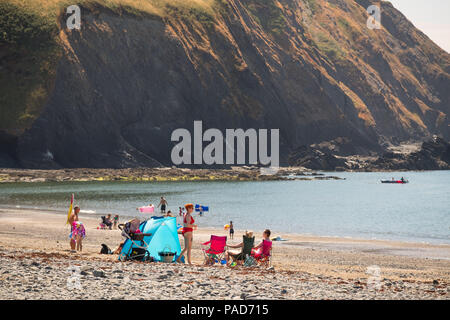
(60, 278)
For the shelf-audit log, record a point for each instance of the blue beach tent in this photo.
(163, 238)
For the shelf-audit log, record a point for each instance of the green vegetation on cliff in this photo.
(268, 15)
(30, 47)
(328, 46)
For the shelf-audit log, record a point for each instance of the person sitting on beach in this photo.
(258, 248)
(239, 255)
(108, 221)
(169, 214)
(77, 232)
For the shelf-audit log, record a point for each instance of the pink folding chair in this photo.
(214, 249)
(263, 255)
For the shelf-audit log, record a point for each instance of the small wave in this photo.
(88, 211)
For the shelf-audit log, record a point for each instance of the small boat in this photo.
(395, 181)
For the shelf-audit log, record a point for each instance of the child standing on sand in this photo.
(231, 230)
(116, 221)
(78, 233)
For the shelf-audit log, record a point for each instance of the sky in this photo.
(432, 17)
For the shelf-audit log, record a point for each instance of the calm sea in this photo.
(359, 206)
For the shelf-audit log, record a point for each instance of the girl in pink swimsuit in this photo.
(188, 224)
(78, 234)
(77, 231)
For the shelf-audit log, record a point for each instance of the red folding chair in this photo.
(214, 249)
(263, 255)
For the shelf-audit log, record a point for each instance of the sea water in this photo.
(359, 206)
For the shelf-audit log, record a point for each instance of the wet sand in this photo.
(35, 257)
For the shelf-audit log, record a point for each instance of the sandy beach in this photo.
(36, 263)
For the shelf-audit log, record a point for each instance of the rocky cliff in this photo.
(116, 89)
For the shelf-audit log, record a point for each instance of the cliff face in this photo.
(312, 68)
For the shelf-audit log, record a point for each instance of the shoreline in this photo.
(9, 217)
(35, 244)
(166, 174)
(289, 235)
(163, 174)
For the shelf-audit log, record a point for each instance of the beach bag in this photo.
(105, 249)
(138, 254)
(167, 255)
(249, 261)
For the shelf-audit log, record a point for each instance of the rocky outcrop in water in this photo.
(315, 159)
(433, 155)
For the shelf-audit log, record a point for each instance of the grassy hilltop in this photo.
(29, 46)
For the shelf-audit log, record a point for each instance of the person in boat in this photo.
(402, 180)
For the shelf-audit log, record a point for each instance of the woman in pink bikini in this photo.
(188, 228)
